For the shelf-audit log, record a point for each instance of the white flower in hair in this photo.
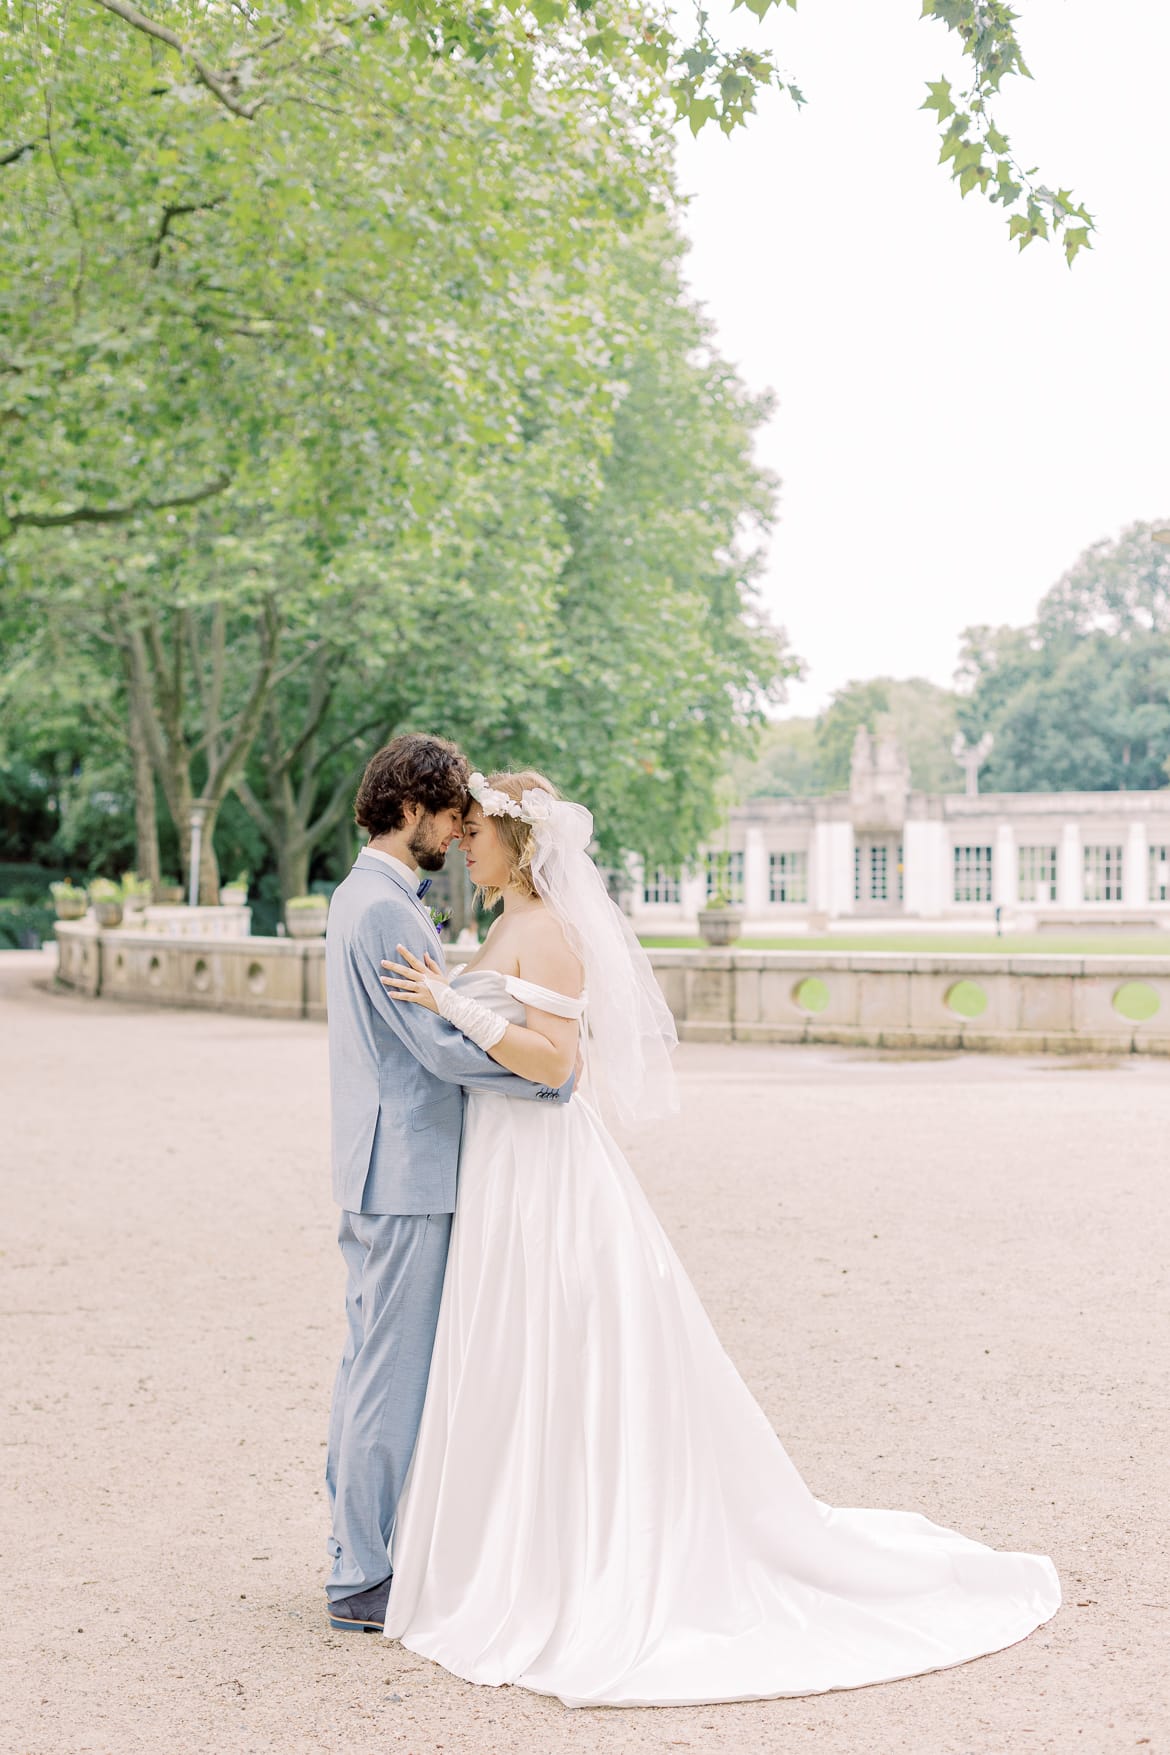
(490, 799)
(536, 805)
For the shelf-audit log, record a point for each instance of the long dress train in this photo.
(597, 1508)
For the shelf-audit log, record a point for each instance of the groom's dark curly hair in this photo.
(410, 769)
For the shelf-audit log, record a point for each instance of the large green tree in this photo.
(273, 375)
(785, 763)
(310, 310)
(805, 757)
(608, 635)
(661, 657)
(457, 464)
(173, 183)
(1080, 699)
(382, 221)
(921, 714)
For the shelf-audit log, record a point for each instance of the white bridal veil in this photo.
(629, 1033)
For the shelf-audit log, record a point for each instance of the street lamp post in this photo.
(198, 818)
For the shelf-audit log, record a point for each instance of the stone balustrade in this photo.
(272, 977)
(221, 921)
(1031, 1004)
(887, 999)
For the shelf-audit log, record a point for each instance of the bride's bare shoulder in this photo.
(545, 955)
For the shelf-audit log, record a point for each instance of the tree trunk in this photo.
(462, 910)
(290, 814)
(346, 845)
(292, 867)
(208, 863)
(157, 683)
(146, 854)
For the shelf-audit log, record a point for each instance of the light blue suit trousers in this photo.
(394, 1280)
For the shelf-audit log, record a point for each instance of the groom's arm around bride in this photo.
(397, 1073)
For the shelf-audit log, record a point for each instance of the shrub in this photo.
(24, 926)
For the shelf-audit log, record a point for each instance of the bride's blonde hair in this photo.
(514, 836)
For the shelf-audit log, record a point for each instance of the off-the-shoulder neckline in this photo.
(570, 998)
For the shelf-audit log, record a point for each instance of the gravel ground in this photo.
(945, 1279)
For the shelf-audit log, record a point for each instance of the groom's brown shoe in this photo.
(364, 1612)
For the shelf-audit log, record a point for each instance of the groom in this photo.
(397, 1109)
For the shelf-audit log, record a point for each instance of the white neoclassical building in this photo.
(884, 852)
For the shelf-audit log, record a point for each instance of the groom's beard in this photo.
(426, 847)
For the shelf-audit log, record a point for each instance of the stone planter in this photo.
(306, 922)
(171, 895)
(720, 926)
(233, 896)
(71, 907)
(108, 913)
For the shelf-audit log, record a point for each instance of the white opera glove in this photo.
(478, 1022)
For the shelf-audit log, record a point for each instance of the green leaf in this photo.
(702, 110)
(1076, 238)
(940, 98)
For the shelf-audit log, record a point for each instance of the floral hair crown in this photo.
(535, 805)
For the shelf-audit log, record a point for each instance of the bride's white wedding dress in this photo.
(597, 1508)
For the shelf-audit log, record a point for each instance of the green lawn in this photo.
(1105, 943)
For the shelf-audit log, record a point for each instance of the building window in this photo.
(660, 886)
(856, 872)
(901, 872)
(1160, 874)
(1103, 874)
(788, 877)
(725, 874)
(1037, 874)
(878, 874)
(972, 874)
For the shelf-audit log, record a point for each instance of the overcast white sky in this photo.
(956, 420)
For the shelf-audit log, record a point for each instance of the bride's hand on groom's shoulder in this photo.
(412, 980)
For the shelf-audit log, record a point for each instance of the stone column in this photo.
(755, 874)
(840, 874)
(820, 869)
(925, 852)
(692, 894)
(1070, 888)
(916, 838)
(1135, 876)
(1004, 874)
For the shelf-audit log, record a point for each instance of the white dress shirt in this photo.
(398, 865)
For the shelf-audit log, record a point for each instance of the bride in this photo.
(596, 1508)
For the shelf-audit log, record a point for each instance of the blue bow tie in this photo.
(424, 887)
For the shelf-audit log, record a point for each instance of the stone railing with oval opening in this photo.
(895, 1000)
(880, 998)
(272, 977)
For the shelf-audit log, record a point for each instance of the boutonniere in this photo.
(440, 917)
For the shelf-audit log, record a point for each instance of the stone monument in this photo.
(879, 779)
(971, 757)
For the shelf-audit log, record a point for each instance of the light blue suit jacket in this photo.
(396, 1070)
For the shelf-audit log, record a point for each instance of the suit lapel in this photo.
(365, 863)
